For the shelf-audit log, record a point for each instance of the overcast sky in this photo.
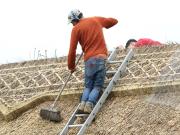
(27, 26)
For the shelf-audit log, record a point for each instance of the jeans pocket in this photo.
(101, 65)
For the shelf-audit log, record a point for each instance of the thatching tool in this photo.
(51, 113)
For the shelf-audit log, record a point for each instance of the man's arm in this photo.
(107, 22)
(72, 50)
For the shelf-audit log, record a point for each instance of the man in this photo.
(132, 43)
(88, 32)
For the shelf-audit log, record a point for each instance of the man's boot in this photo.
(81, 107)
(88, 107)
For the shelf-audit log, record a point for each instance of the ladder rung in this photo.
(113, 62)
(77, 125)
(81, 115)
(110, 72)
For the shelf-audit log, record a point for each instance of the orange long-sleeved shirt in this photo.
(88, 32)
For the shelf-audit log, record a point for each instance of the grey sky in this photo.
(42, 24)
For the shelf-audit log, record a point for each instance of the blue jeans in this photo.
(95, 72)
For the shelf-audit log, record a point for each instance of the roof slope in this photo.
(119, 115)
(149, 90)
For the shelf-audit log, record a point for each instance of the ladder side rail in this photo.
(105, 94)
(72, 118)
(70, 121)
(112, 55)
(123, 66)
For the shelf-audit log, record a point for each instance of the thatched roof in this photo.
(144, 100)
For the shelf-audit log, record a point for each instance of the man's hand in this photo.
(72, 71)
